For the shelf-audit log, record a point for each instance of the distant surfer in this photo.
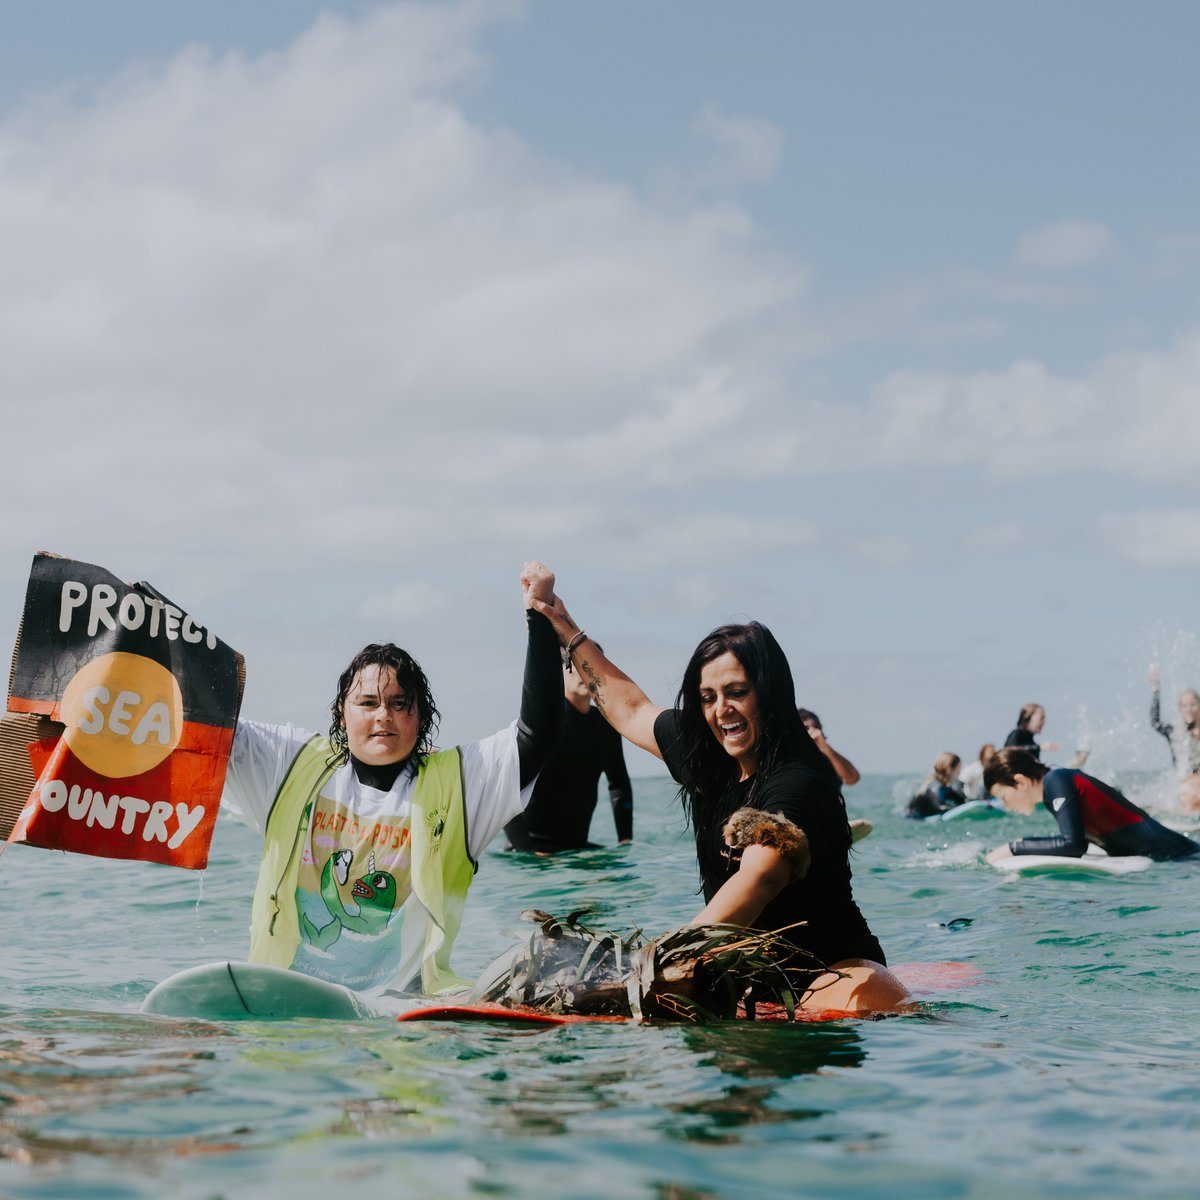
(735, 741)
(970, 779)
(847, 772)
(1030, 720)
(559, 815)
(1183, 739)
(939, 792)
(1087, 811)
(372, 837)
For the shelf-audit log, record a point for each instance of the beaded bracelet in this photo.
(579, 637)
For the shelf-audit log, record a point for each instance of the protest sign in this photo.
(121, 712)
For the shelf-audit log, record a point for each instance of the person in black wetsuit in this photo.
(938, 793)
(735, 741)
(1086, 809)
(559, 815)
(1030, 720)
(1183, 739)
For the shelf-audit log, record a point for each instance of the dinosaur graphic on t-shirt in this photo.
(375, 892)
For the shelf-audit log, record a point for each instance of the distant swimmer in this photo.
(938, 793)
(1030, 720)
(1183, 739)
(847, 772)
(559, 816)
(1086, 809)
(971, 779)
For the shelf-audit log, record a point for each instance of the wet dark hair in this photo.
(806, 715)
(409, 677)
(708, 774)
(1005, 765)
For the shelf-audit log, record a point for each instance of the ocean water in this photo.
(1072, 1069)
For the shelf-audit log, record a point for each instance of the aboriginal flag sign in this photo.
(121, 711)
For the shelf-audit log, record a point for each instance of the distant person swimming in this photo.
(734, 742)
(847, 772)
(1087, 811)
(971, 778)
(938, 793)
(1183, 739)
(1030, 720)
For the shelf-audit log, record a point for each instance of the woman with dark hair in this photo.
(1030, 720)
(764, 803)
(1086, 809)
(371, 836)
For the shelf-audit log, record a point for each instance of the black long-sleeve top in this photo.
(559, 814)
(809, 796)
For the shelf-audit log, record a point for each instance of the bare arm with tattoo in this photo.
(625, 706)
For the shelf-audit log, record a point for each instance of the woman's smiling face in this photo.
(730, 706)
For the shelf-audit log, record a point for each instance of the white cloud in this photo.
(1175, 254)
(1155, 538)
(1137, 414)
(746, 149)
(1064, 244)
(301, 304)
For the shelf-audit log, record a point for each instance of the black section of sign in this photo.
(47, 657)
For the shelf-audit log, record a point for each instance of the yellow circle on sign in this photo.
(123, 714)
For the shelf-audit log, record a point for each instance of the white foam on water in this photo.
(960, 854)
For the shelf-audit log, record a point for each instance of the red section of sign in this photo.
(164, 815)
(45, 708)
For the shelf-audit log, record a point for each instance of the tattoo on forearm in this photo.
(593, 682)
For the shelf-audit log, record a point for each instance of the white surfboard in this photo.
(1087, 864)
(240, 991)
(860, 828)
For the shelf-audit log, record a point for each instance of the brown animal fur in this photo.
(752, 827)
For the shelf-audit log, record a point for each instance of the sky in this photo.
(877, 323)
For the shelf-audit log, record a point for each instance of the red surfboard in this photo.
(919, 978)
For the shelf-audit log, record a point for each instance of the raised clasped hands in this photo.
(538, 581)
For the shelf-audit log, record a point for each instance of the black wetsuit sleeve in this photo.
(1061, 798)
(540, 724)
(1157, 723)
(620, 790)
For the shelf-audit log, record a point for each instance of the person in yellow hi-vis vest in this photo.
(371, 837)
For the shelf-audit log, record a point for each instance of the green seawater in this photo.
(1071, 1070)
